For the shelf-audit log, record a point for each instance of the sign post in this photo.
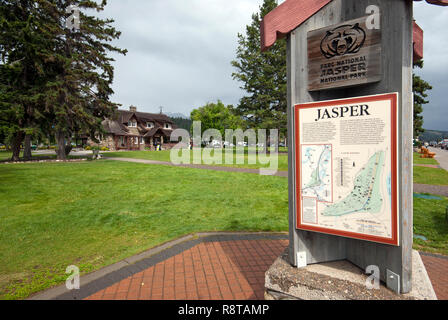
(350, 122)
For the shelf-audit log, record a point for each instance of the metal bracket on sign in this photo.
(301, 259)
(393, 281)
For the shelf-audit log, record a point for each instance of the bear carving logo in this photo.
(343, 40)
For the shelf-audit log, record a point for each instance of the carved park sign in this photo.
(343, 55)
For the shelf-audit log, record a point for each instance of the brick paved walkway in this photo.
(223, 266)
(437, 268)
(228, 270)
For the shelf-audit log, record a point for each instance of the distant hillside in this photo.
(433, 135)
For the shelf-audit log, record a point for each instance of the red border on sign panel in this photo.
(393, 99)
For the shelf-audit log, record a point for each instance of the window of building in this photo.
(132, 124)
(167, 126)
(150, 124)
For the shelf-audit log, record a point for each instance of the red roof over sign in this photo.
(292, 13)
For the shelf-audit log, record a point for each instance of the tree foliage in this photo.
(182, 123)
(217, 116)
(25, 51)
(54, 79)
(263, 76)
(419, 87)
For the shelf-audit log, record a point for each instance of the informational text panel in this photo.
(346, 167)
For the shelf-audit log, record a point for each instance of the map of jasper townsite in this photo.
(345, 169)
(365, 195)
(316, 165)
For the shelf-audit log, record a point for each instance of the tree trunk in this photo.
(16, 143)
(68, 147)
(60, 140)
(27, 148)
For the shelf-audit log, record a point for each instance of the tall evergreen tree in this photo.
(54, 79)
(419, 88)
(24, 52)
(263, 76)
(79, 99)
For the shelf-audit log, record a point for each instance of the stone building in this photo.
(133, 130)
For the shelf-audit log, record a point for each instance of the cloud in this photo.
(179, 51)
(434, 20)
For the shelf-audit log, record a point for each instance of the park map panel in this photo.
(346, 167)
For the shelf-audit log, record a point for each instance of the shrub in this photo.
(88, 148)
(105, 149)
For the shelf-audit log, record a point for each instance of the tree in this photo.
(24, 61)
(419, 88)
(79, 99)
(263, 76)
(217, 116)
(54, 80)
(182, 123)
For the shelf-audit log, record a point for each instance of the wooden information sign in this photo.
(344, 58)
(343, 55)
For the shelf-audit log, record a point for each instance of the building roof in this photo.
(118, 125)
(114, 127)
(153, 131)
(292, 13)
(125, 116)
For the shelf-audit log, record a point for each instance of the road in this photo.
(441, 157)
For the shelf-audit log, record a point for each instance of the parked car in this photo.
(443, 145)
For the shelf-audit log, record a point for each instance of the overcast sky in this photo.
(180, 53)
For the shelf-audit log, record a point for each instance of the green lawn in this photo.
(5, 156)
(93, 214)
(429, 221)
(418, 160)
(424, 175)
(165, 156)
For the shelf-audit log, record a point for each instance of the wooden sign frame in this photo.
(388, 101)
(396, 58)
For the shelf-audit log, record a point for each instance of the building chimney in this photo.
(133, 109)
